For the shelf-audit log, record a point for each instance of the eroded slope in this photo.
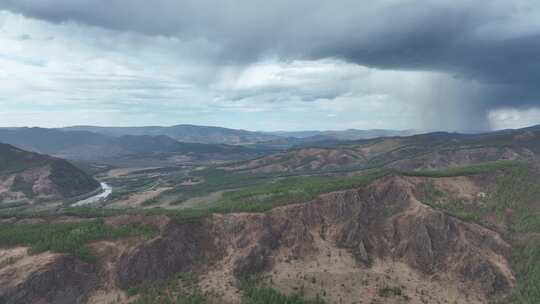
(382, 243)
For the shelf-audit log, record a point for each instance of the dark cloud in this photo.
(494, 43)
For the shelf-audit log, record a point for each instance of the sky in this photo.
(452, 65)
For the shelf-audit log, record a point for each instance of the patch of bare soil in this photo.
(461, 187)
(157, 221)
(383, 146)
(137, 199)
(41, 185)
(18, 266)
(9, 256)
(199, 201)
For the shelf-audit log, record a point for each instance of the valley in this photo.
(269, 152)
(430, 218)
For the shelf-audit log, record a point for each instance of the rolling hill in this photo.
(90, 146)
(424, 151)
(27, 177)
(350, 134)
(205, 134)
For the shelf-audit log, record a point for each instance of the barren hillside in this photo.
(387, 242)
(28, 178)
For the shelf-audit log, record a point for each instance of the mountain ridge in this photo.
(90, 146)
(184, 133)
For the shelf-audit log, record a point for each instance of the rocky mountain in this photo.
(378, 244)
(27, 177)
(184, 133)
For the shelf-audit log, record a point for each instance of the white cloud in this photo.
(509, 118)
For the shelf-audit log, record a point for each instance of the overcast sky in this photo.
(271, 65)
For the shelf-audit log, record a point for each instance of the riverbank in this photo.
(102, 195)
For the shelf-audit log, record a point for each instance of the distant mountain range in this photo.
(184, 133)
(182, 143)
(218, 135)
(90, 146)
(350, 134)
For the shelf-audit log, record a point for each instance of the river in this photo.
(107, 190)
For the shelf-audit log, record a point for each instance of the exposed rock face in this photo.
(381, 222)
(46, 278)
(179, 249)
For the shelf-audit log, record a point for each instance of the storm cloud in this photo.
(483, 56)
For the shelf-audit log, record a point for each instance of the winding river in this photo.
(107, 190)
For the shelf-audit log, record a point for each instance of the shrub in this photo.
(267, 295)
(65, 237)
(386, 292)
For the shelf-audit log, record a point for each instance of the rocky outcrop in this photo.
(385, 222)
(381, 222)
(180, 248)
(47, 278)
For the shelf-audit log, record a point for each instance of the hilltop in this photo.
(425, 151)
